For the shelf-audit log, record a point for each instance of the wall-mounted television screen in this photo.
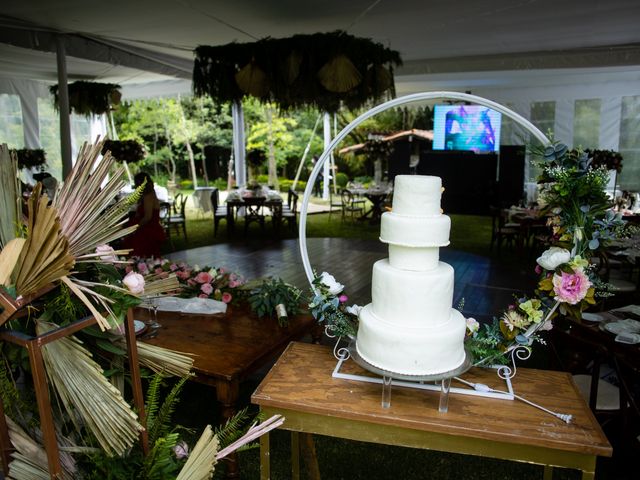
(466, 127)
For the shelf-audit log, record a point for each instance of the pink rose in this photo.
(173, 267)
(128, 269)
(203, 295)
(233, 284)
(538, 269)
(134, 282)
(571, 287)
(343, 298)
(206, 288)
(226, 297)
(203, 277)
(142, 267)
(191, 282)
(181, 450)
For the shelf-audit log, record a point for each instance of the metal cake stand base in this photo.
(387, 377)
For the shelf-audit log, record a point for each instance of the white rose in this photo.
(546, 326)
(134, 282)
(107, 253)
(553, 258)
(472, 325)
(353, 310)
(330, 282)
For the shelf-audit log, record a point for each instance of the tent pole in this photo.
(63, 104)
(305, 153)
(239, 144)
(334, 171)
(327, 167)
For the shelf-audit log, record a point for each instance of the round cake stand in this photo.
(387, 377)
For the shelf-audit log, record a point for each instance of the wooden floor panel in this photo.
(486, 285)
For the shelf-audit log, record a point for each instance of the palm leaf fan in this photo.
(379, 79)
(88, 215)
(45, 256)
(9, 195)
(86, 394)
(202, 460)
(339, 75)
(252, 80)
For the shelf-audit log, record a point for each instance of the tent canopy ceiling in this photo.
(142, 41)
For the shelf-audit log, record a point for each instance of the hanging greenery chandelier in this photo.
(321, 70)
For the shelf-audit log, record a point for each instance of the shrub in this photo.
(342, 179)
(285, 184)
(186, 184)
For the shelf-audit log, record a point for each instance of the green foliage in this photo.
(342, 179)
(488, 343)
(285, 184)
(271, 292)
(159, 424)
(233, 428)
(161, 463)
(186, 184)
(327, 308)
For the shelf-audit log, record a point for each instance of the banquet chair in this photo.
(501, 231)
(610, 271)
(629, 380)
(253, 213)
(220, 212)
(350, 206)
(334, 201)
(290, 215)
(584, 358)
(177, 218)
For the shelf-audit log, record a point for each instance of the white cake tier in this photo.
(416, 259)
(417, 195)
(411, 351)
(412, 231)
(412, 299)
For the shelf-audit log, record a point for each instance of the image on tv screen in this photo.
(466, 127)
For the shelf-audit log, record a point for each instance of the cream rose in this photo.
(134, 282)
(553, 258)
(354, 310)
(107, 253)
(330, 282)
(472, 325)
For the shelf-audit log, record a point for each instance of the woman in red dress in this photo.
(147, 239)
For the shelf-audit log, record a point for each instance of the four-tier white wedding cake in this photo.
(409, 327)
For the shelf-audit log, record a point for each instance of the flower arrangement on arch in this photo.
(329, 306)
(573, 195)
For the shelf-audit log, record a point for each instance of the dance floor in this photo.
(487, 285)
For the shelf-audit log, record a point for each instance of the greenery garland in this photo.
(322, 70)
(29, 158)
(89, 98)
(128, 151)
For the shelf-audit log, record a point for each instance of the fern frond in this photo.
(233, 428)
(162, 423)
(160, 463)
(153, 401)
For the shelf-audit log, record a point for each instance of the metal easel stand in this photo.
(438, 383)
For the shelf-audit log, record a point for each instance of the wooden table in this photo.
(301, 388)
(229, 347)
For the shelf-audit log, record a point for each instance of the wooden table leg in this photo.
(227, 394)
(310, 457)
(295, 455)
(265, 457)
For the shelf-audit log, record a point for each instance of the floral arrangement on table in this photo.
(609, 159)
(195, 281)
(573, 195)
(274, 296)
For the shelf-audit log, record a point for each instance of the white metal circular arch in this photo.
(416, 97)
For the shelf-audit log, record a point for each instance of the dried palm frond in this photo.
(86, 394)
(162, 360)
(252, 80)
(206, 453)
(30, 459)
(9, 258)
(88, 216)
(202, 460)
(45, 255)
(339, 75)
(9, 195)
(292, 66)
(155, 286)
